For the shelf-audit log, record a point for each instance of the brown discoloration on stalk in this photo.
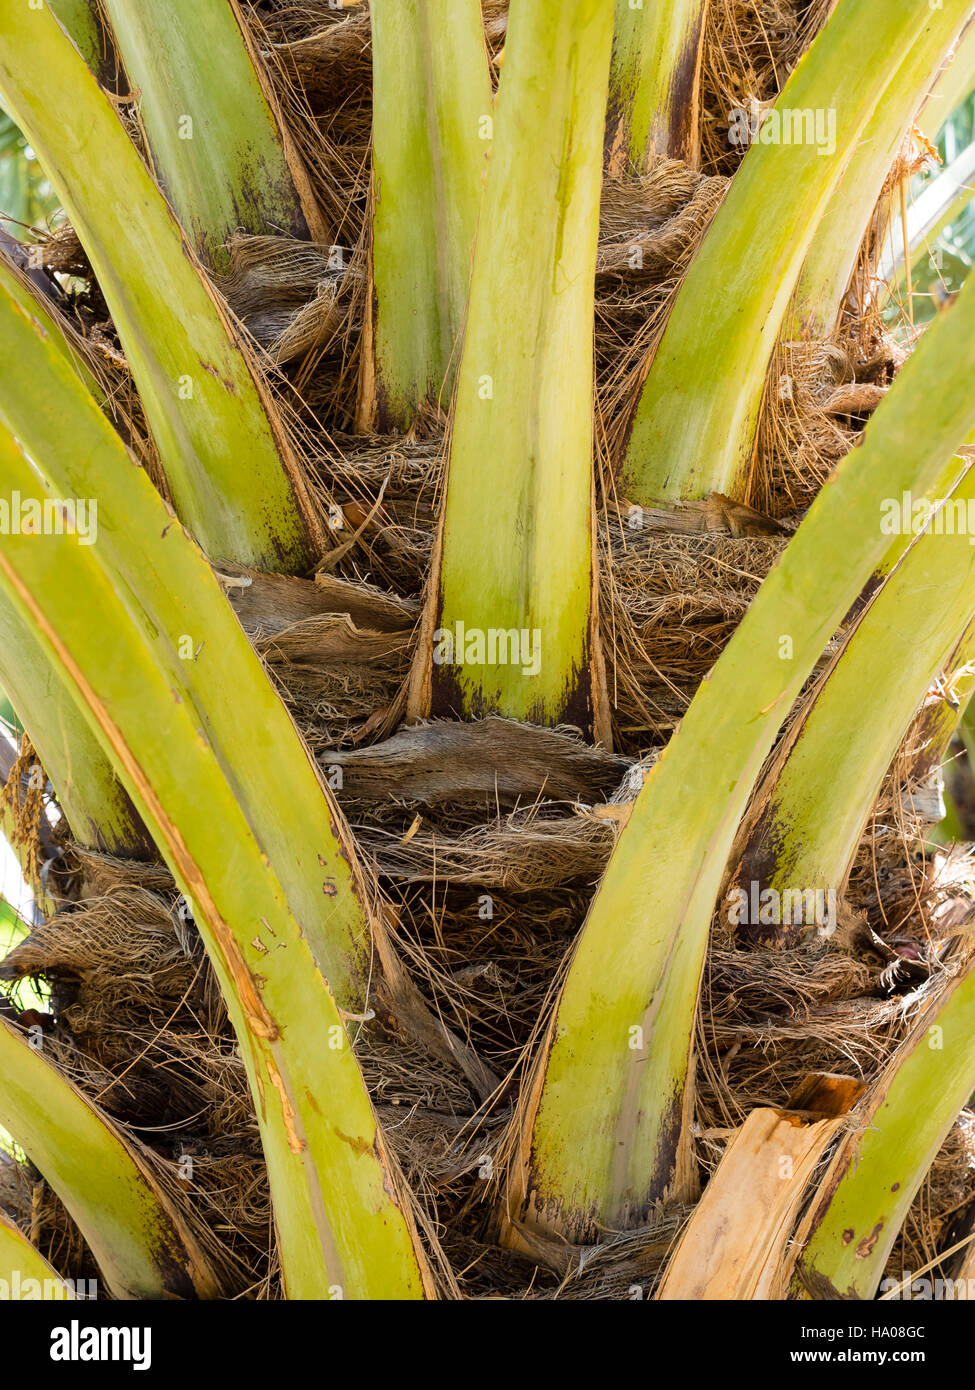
(675, 132)
(439, 692)
(296, 1143)
(683, 136)
(865, 1246)
(359, 1145)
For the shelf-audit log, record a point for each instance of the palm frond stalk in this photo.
(692, 432)
(231, 471)
(832, 258)
(142, 1248)
(216, 140)
(286, 924)
(517, 634)
(431, 140)
(805, 820)
(84, 21)
(736, 1245)
(861, 1202)
(348, 1071)
(21, 1263)
(97, 807)
(955, 83)
(98, 810)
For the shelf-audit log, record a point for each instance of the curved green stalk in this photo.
(141, 1247)
(654, 83)
(20, 1262)
(514, 632)
(47, 411)
(833, 255)
(693, 431)
(603, 1136)
(232, 475)
(431, 138)
(140, 628)
(956, 82)
(806, 821)
(218, 146)
(95, 803)
(97, 808)
(868, 1189)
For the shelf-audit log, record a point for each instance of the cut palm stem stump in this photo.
(735, 1244)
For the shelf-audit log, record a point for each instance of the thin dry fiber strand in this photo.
(336, 678)
(288, 294)
(387, 488)
(319, 62)
(866, 292)
(319, 59)
(669, 605)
